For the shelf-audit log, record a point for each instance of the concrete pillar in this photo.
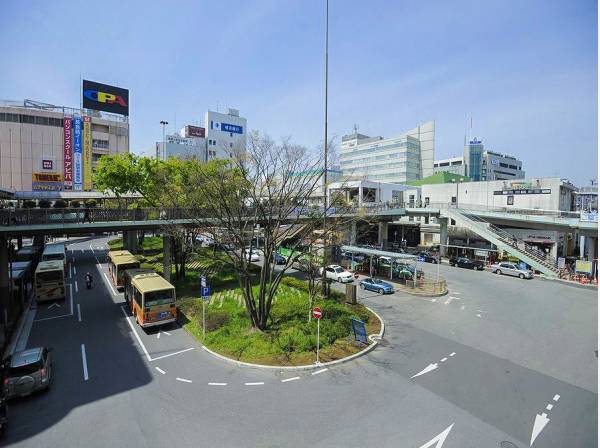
(554, 251)
(443, 236)
(590, 242)
(4, 290)
(167, 257)
(19, 242)
(581, 246)
(382, 234)
(565, 245)
(360, 195)
(353, 232)
(133, 242)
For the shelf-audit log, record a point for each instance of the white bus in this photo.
(56, 252)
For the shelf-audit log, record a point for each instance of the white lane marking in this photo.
(434, 300)
(538, 425)
(556, 397)
(320, 371)
(452, 354)
(183, 380)
(74, 269)
(78, 313)
(290, 379)
(260, 383)
(438, 440)
(62, 315)
(549, 407)
(217, 384)
(54, 304)
(443, 359)
(158, 335)
(109, 283)
(136, 335)
(427, 369)
(84, 360)
(462, 307)
(166, 332)
(456, 292)
(172, 354)
(159, 370)
(76, 287)
(478, 315)
(450, 299)
(70, 271)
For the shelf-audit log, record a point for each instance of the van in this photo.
(54, 252)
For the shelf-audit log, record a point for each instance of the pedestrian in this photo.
(87, 215)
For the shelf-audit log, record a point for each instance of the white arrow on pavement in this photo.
(439, 439)
(54, 304)
(429, 368)
(540, 423)
(450, 299)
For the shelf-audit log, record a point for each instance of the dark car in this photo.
(405, 271)
(465, 262)
(376, 285)
(278, 258)
(28, 371)
(427, 257)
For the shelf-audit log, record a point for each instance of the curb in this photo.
(374, 338)
(567, 282)
(27, 316)
(439, 294)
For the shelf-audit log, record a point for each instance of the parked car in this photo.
(406, 271)
(3, 419)
(507, 268)
(376, 285)
(468, 263)
(337, 273)
(352, 256)
(250, 254)
(278, 258)
(28, 371)
(427, 257)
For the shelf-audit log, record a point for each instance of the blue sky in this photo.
(526, 71)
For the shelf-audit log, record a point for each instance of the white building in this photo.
(404, 158)
(454, 165)
(362, 192)
(225, 133)
(182, 147)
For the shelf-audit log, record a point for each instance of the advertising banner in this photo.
(583, 266)
(589, 216)
(46, 181)
(87, 153)
(226, 127)
(77, 154)
(105, 98)
(68, 152)
(195, 131)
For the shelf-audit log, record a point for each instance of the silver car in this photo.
(28, 371)
(511, 269)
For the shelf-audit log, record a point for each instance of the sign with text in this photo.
(46, 182)
(589, 216)
(47, 165)
(360, 331)
(105, 98)
(77, 154)
(195, 131)
(583, 266)
(68, 152)
(87, 153)
(226, 127)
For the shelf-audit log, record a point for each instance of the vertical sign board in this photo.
(87, 153)
(77, 154)
(360, 331)
(68, 152)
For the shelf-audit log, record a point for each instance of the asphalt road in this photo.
(472, 369)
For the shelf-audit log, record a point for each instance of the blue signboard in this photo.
(205, 292)
(360, 331)
(225, 127)
(77, 153)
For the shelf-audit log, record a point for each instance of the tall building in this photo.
(225, 133)
(47, 147)
(406, 157)
(472, 156)
(454, 165)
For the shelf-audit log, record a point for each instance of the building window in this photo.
(99, 144)
(426, 202)
(453, 200)
(231, 134)
(510, 200)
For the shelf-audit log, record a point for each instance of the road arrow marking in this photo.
(439, 439)
(450, 299)
(158, 335)
(540, 422)
(54, 304)
(427, 369)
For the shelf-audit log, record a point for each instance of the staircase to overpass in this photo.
(503, 240)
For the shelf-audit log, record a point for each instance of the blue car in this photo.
(379, 286)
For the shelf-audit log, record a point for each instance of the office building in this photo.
(225, 133)
(406, 157)
(190, 142)
(481, 164)
(44, 147)
(454, 165)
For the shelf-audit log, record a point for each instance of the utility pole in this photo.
(163, 123)
(323, 277)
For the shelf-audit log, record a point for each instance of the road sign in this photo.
(356, 276)
(316, 312)
(205, 292)
(202, 281)
(360, 331)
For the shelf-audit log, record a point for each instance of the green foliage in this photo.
(60, 203)
(44, 203)
(91, 203)
(74, 204)
(28, 204)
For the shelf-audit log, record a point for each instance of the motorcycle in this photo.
(88, 282)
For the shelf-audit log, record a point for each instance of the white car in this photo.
(337, 273)
(251, 254)
(511, 269)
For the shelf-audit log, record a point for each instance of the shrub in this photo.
(216, 320)
(60, 203)
(91, 203)
(75, 204)
(44, 203)
(28, 204)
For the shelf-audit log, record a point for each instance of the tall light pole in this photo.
(323, 278)
(163, 123)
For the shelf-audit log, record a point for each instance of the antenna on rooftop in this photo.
(355, 128)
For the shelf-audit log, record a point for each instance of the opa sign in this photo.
(105, 98)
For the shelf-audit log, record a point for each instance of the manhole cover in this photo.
(506, 444)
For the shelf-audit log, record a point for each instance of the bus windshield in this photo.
(50, 276)
(53, 257)
(154, 298)
(124, 267)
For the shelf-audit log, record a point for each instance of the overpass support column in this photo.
(133, 242)
(4, 292)
(382, 234)
(590, 244)
(443, 236)
(167, 257)
(353, 233)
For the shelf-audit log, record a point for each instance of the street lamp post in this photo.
(163, 123)
(323, 279)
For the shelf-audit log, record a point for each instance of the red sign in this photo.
(194, 131)
(68, 152)
(356, 276)
(317, 312)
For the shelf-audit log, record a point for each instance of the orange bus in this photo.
(150, 297)
(118, 262)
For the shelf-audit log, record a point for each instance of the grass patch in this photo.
(152, 244)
